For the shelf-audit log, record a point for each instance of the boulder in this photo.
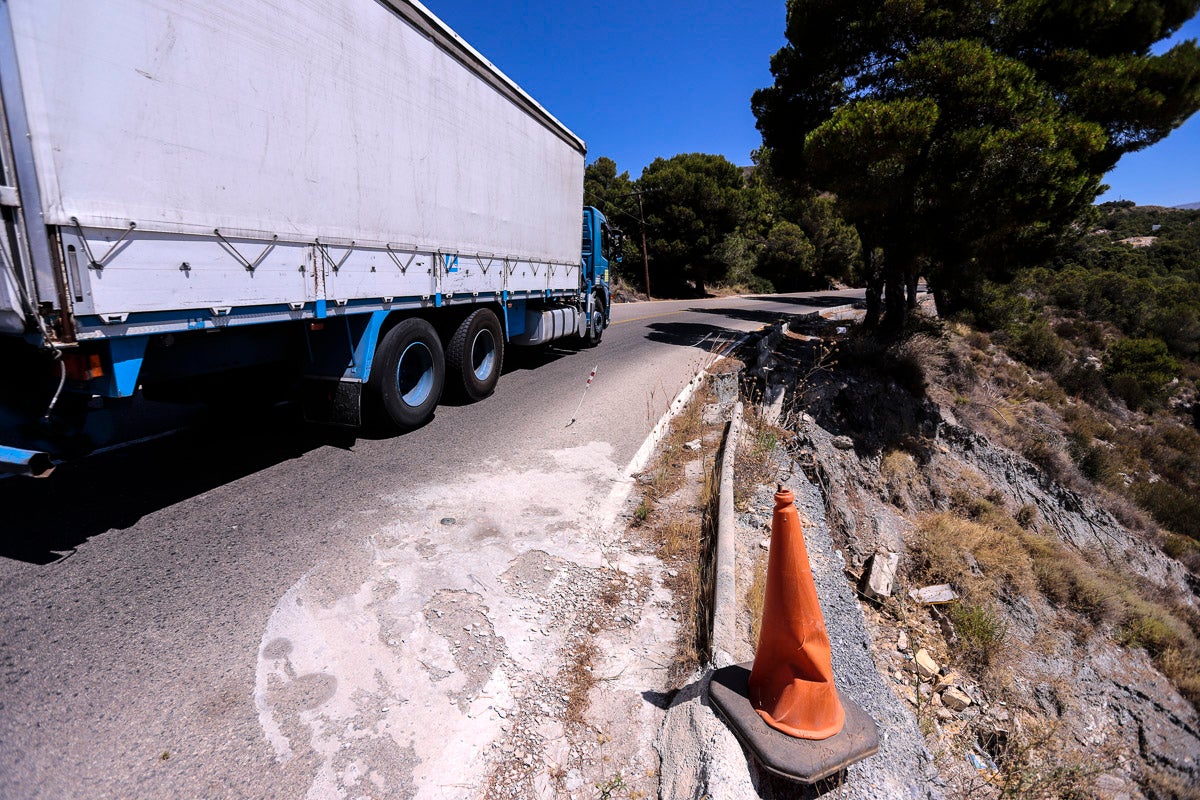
(880, 575)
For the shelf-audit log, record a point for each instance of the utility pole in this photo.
(645, 253)
(642, 224)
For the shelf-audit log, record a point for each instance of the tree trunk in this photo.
(910, 281)
(942, 303)
(874, 280)
(874, 302)
(895, 304)
(947, 296)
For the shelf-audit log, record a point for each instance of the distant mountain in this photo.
(1190, 205)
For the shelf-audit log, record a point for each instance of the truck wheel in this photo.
(593, 332)
(408, 373)
(475, 355)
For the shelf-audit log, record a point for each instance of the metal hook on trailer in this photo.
(403, 267)
(482, 268)
(249, 265)
(92, 262)
(325, 252)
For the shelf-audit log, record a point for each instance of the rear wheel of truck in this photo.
(475, 355)
(595, 327)
(408, 373)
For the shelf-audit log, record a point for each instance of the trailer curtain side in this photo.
(291, 118)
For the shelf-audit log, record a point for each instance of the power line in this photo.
(641, 220)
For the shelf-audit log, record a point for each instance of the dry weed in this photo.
(675, 517)
(979, 560)
(579, 681)
(755, 463)
(756, 596)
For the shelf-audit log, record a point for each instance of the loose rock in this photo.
(954, 698)
(926, 666)
(880, 575)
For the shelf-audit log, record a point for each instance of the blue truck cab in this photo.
(600, 241)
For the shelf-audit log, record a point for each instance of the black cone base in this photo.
(802, 760)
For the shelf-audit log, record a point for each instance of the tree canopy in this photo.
(609, 191)
(708, 221)
(964, 139)
(692, 202)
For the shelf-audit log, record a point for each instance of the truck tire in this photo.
(595, 330)
(408, 373)
(475, 355)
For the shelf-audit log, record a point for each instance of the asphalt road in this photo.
(137, 585)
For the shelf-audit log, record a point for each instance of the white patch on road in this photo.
(393, 669)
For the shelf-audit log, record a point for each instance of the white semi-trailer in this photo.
(202, 193)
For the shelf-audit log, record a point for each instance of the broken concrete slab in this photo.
(934, 595)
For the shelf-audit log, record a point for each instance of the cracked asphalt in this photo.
(265, 610)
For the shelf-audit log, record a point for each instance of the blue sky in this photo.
(638, 80)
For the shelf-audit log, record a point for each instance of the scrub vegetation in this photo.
(1044, 594)
(1096, 357)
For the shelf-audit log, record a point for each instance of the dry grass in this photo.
(580, 679)
(992, 561)
(981, 561)
(665, 475)
(1162, 784)
(755, 462)
(900, 475)
(898, 466)
(755, 597)
(1037, 764)
(678, 534)
(675, 519)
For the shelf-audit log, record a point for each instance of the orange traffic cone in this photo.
(791, 684)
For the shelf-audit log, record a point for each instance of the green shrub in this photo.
(981, 632)
(1085, 381)
(1170, 506)
(786, 258)
(1038, 346)
(1149, 629)
(1129, 390)
(1081, 332)
(1069, 288)
(1177, 322)
(1138, 370)
(1095, 462)
(998, 307)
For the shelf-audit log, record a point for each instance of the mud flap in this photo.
(332, 402)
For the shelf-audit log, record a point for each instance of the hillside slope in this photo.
(1069, 620)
